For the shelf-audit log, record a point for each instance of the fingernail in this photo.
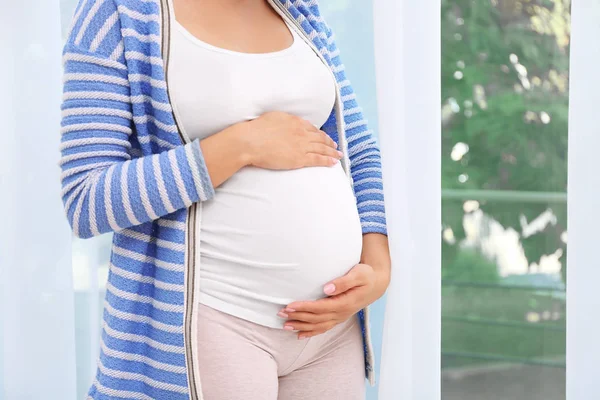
(334, 161)
(282, 314)
(301, 337)
(289, 310)
(340, 154)
(329, 288)
(288, 328)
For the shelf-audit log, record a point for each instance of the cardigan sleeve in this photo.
(363, 150)
(103, 187)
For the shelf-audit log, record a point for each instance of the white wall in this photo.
(36, 298)
(583, 272)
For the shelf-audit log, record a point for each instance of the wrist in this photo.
(382, 281)
(239, 138)
(376, 253)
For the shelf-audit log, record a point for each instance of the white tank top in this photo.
(267, 238)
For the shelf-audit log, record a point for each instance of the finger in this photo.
(305, 326)
(309, 126)
(324, 150)
(326, 327)
(306, 335)
(317, 160)
(328, 140)
(323, 138)
(332, 142)
(308, 317)
(322, 306)
(355, 277)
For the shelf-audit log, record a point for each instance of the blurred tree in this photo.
(470, 266)
(505, 110)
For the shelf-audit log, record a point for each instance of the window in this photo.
(504, 176)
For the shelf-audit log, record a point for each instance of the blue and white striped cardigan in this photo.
(127, 169)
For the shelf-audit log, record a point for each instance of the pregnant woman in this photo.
(222, 144)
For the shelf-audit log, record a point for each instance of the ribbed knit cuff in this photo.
(207, 189)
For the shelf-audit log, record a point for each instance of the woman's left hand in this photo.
(347, 295)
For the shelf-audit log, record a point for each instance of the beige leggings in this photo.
(241, 360)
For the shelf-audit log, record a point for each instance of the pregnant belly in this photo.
(278, 236)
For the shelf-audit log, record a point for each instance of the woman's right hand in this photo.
(275, 140)
(280, 141)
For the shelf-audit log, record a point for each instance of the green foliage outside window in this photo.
(505, 96)
(504, 121)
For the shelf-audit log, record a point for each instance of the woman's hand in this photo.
(281, 141)
(275, 140)
(361, 286)
(349, 294)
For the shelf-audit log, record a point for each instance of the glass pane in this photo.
(504, 160)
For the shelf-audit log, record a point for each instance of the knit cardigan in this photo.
(127, 169)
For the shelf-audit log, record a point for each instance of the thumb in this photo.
(341, 284)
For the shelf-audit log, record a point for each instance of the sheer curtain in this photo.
(408, 60)
(37, 343)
